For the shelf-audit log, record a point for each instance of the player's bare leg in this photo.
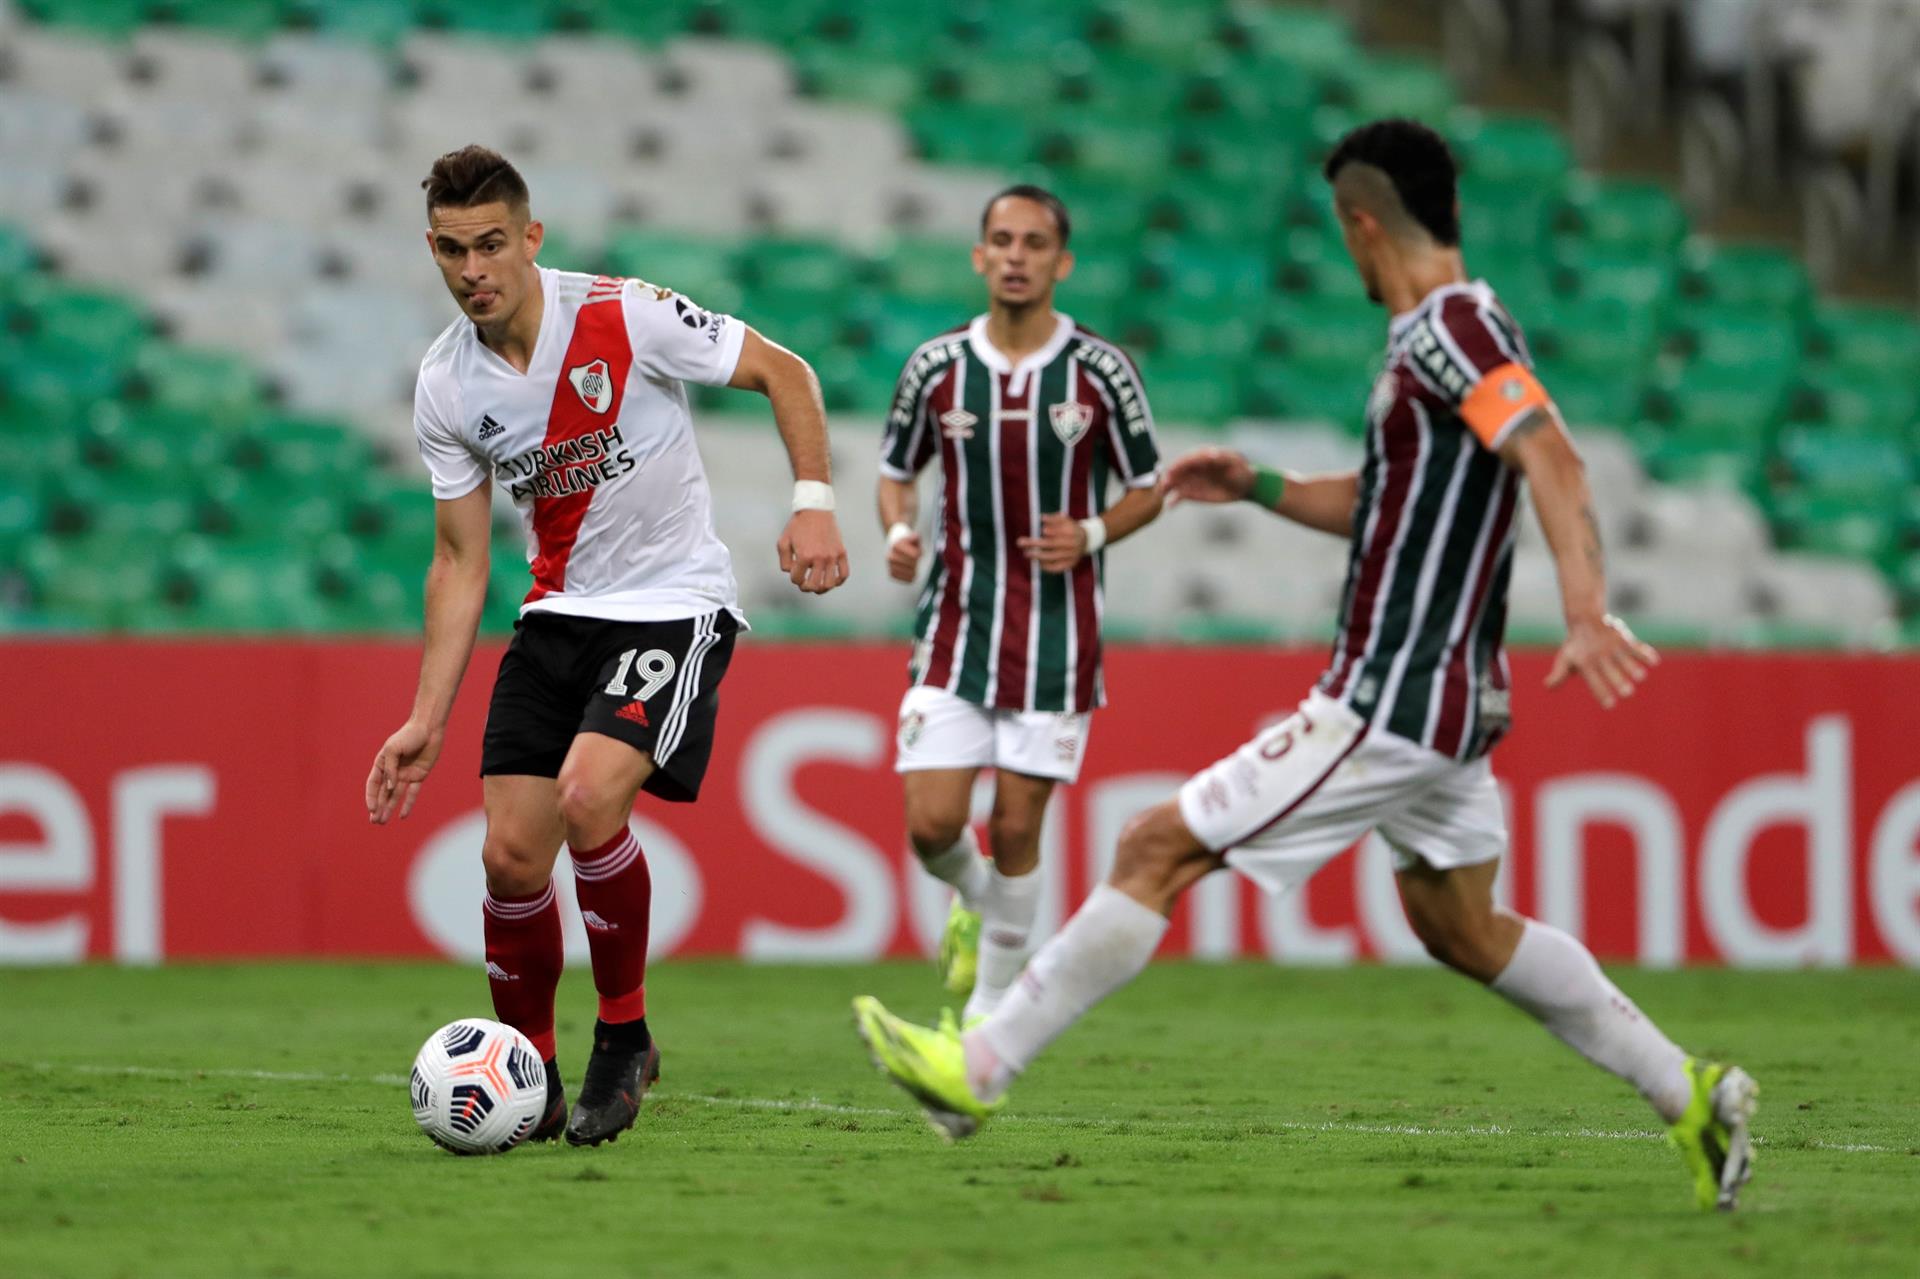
(939, 805)
(1012, 895)
(1552, 977)
(595, 791)
(522, 922)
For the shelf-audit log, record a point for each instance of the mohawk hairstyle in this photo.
(1419, 164)
(474, 175)
(1039, 194)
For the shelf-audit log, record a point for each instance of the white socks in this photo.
(1103, 947)
(963, 867)
(1006, 929)
(1554, 978)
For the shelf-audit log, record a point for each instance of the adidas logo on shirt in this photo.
(488, 427)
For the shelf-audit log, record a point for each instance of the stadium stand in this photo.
(214, 297)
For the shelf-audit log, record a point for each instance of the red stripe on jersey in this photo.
(599, 333)
(1016, 603)
(1468, 329)
(1083, 580)
(1401, 456)
(1452, 726)
(953, 555)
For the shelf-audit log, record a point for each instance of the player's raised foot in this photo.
(553, 1120)
(960, 950)
(618, 1076)
(1712, 1135)
(928, 1062)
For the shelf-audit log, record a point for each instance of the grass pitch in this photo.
(1237, 1120)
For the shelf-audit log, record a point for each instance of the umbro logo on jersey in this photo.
(635, 712)
(594, 383)
(1070, 420)
(592, 919)
(489, 428)
(957, 424)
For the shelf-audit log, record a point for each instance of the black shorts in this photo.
(652, 685)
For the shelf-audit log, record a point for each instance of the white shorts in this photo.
(940, 730)
(1301, 792)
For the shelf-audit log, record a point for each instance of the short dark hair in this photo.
(474, 175)
(1419, 164)
(1038, 194)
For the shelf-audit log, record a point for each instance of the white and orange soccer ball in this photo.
(478, 1087)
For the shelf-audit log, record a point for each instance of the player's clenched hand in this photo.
(1207, 475)
(1060, 545)
(903, 558)
(1606, 655)
(399, 769)
(811, 554)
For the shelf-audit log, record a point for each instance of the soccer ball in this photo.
(478, 1087)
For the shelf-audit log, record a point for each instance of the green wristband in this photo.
(1268, 485)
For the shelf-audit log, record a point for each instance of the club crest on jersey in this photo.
(594, 383)
(957, 424)
(1070, 420)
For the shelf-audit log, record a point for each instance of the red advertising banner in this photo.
(193, 800)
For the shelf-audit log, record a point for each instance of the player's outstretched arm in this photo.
(456, 593)
(811, 553)
(899, 503)
(1323, 502)
(1599, 647)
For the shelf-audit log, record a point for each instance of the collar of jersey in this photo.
(991, 356)
(1400, 324)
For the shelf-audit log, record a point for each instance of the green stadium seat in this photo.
(240, 19)
(1838, 524)
(1345, 335)
(373, 21)
(855, 76)
(1193, 390)
(936, 270)
(887, 324)
(1825, 463)
(1755, 275)
(1734, 335)
(701, 269)
(86, 319)
(1862, 404)
(802, 320)
(1193, 274)
(1872, 339)
(1626, 276)
(799, 266)
(45, 379)
(1278, 389)
(1706, 463)
(1089, 142)
(1413, 87)
(1311, 39)
(1592, 395)
(107, 18)
(1730, 406)
(1603, 336)
(223, 389)
(986, 137)
(1503, 218)
(1511, 149)
(1638, 217)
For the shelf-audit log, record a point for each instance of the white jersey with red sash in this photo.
(594, 444)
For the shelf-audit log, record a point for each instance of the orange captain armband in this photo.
(1502, 397)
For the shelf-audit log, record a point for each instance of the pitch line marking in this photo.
(813, 1105)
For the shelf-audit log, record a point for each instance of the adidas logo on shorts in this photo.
(636, 712)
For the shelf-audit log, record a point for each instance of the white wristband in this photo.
(899, 533)
(812, 495)
(1096, 530)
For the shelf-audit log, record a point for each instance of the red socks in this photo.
(616, 901)
(524, 958)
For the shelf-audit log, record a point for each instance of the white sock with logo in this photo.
(963, 867)
(1554, 978)
(1103, 947)
(1006, 932)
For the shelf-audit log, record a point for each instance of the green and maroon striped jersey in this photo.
(1419, 651)
(1015, 442)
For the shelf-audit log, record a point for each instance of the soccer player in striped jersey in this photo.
(1395, 737)
(569, 390)
(1032, 418)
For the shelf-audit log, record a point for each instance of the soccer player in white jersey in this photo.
(1395, 736)
(1030, 416)
(569, 390)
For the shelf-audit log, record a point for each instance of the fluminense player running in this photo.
(1030, 415)
(569, 390)
(1395, 737)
